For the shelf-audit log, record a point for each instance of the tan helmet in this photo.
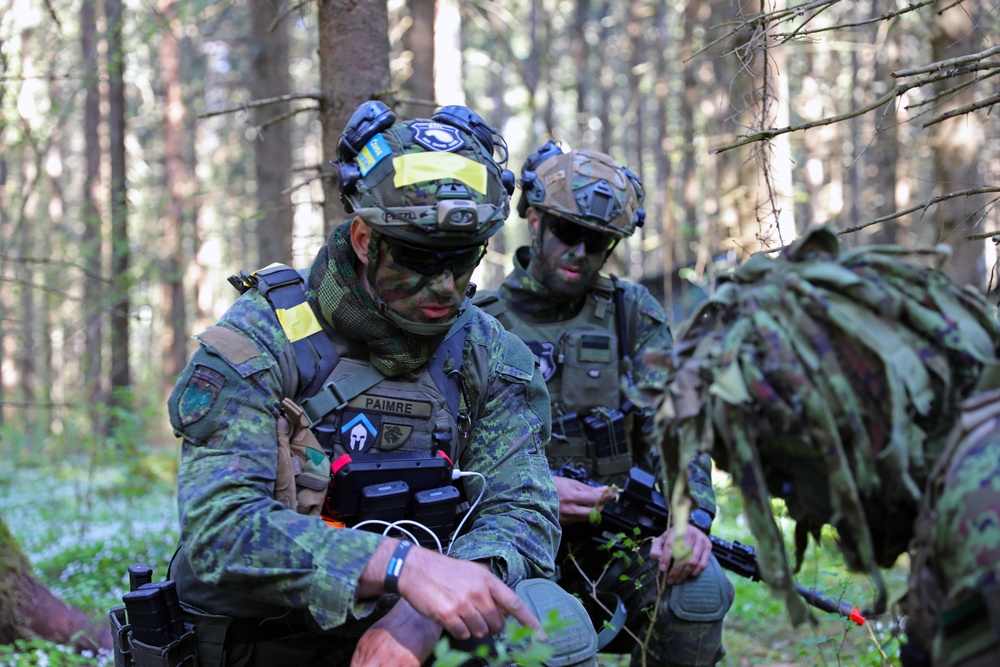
(585, 186)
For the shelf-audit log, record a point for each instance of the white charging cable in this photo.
(457, 474)
(390, 525)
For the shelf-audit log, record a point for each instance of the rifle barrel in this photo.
(742, 559)
(827, 603)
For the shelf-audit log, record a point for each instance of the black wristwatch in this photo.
(701, 520)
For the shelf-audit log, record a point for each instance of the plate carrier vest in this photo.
(582, 360)
(351, 407)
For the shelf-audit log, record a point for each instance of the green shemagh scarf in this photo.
(526, 295)
(354, 314)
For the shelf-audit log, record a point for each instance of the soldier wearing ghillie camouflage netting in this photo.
(862, 389)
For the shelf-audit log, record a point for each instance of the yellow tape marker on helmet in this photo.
(431, 166)
(298, 321)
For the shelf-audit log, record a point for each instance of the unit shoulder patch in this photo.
(200, 394)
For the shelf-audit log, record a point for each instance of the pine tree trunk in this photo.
(273, 157)
(351, 71)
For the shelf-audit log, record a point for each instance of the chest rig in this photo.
(582, 360)
(356, 413)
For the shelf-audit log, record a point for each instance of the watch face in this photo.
(701, 519)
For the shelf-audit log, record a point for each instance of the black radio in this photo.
(392, 486)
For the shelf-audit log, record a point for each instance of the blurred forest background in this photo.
(149, 149)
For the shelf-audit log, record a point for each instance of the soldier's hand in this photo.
(577, 500)
(401, 638)
(685, 560)
(464, 597)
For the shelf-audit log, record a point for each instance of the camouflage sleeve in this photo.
(515, 526)
(652, 332)
(236, 536)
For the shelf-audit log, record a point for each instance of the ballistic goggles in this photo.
(572, 234)
(434, 261)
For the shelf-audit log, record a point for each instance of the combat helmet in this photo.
(584, 186)
(430, 182)
(424, 184)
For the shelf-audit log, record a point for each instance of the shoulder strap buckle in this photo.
(335, 395)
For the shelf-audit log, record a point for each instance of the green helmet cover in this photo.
(431, 184)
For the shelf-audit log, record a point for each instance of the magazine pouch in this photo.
(181, 652)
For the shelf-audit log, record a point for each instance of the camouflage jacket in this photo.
(955, 554)
(646, 330)
(243, 554)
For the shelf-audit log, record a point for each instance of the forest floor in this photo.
(81, 528)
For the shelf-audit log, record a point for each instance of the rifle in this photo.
(741, 559)
(640, 508)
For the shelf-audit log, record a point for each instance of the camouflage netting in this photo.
(829, 379)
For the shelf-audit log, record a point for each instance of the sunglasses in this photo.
(571, 234)
(433, 261)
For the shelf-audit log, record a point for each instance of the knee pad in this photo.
(705, 598)
(575, 643)
(689, 632)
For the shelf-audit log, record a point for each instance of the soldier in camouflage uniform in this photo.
(862, 390)
(590, 331)
(264, 579)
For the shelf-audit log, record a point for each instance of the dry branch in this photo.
(252, 104)
(925, 205)
(961, 111)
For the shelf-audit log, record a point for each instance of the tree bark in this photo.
(885, 154)
(270, 76)
(957, 144)
(658, 203)
(692, 193)
(727, 192)
(92, 370)
(606, 78)
(28, 609)
(4, 220)
(120, 252)
(419, 41)
(579, 51)
(172, 218)
(353, 68)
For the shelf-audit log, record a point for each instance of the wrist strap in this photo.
(391, 583)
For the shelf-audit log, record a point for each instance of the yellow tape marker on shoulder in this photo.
(298, 321)
(432, 165)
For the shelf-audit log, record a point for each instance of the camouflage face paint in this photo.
(566, 271)
(415, 297)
